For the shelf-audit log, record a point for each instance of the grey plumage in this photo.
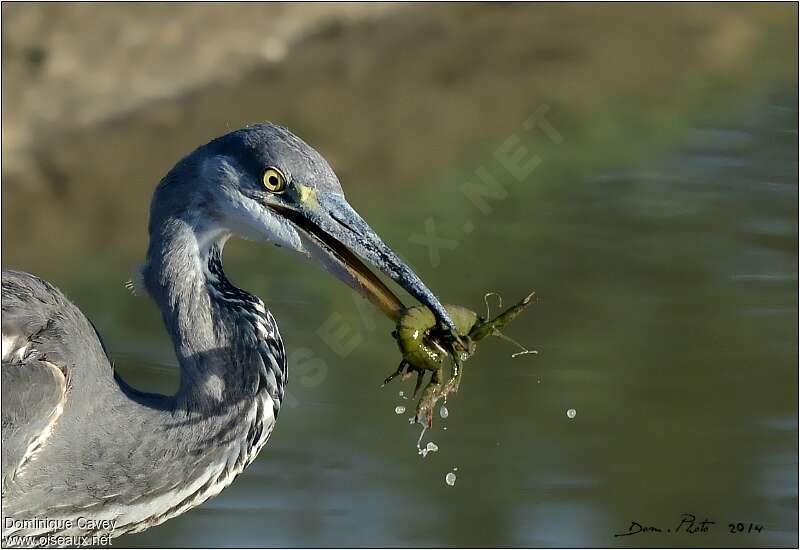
(78, 440)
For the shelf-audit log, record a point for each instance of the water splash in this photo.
(571, 413)
(450, 478)
(399, 409)
(431, 447)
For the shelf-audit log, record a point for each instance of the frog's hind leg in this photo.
(430, 395)
(456, 371)
(418, 385)
(492, 327)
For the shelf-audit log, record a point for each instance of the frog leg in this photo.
(403, 365)
(420, 374)
(493, 326)
(430, 395)
(456, 370)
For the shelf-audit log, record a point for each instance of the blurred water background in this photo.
(655, 215)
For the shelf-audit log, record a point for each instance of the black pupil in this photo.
(273, 180)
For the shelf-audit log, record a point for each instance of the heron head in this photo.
(264, 183)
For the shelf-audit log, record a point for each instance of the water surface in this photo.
(666, 317)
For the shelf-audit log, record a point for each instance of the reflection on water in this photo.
(667, 319)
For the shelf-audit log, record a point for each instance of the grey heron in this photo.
(79, 442)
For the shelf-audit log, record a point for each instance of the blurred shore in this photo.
(61, 78)
(341, 71)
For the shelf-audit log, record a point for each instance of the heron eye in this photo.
(274, 180)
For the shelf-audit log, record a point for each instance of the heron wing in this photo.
(44, 336)
(34, 393)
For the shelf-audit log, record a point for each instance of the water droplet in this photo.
(443, 412)
(431, 447)
(450, 479)
(571, 413)
(400, 409)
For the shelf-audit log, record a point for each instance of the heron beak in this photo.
(341, 235)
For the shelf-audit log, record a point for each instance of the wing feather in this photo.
(34, 394)
(35, 375)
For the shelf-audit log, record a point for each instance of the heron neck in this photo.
(229, 396)
(216, 348)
